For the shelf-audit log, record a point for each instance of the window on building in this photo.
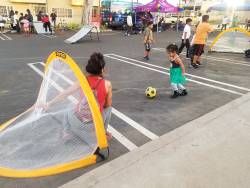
(63, 12)
(4, 10)
(37, 9)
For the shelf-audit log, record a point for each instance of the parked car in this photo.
(117, 21)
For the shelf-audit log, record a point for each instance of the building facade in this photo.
(68, 11)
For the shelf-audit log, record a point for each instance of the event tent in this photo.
(157, 6)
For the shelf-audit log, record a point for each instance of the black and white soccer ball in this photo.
(151, 92)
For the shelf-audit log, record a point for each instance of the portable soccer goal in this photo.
(233, 40)
(63, 130)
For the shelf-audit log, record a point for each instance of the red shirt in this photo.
(45, 19)
(98, 86)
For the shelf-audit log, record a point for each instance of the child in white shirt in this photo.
(186, 36)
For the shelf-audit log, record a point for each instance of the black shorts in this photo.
(147, 47)
(198, 49)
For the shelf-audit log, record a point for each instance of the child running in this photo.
(148, 40)
(177, 72)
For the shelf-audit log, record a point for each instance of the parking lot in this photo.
(136, 120)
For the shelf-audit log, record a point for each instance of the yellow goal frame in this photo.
(97, 118)
(247, 33)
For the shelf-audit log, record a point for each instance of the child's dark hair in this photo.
(149, 23)
(172, 48)
(205, 18)
(188, 20)
(95, 64)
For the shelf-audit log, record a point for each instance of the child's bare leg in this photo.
(195, 59)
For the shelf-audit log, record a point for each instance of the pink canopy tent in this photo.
(157, 6)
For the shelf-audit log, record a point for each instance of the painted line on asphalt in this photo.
(118, 136)
(1, 37)
(219, 59)
(7, 37)
(122, 139)
(191, 75)
(166, 73)
(119, 114)
(49, 36)
(134, 124)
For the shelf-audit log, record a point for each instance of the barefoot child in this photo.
(148, 40)
(177, 72)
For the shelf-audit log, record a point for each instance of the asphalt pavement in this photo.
(136, 120)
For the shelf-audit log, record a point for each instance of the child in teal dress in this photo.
(177, 72)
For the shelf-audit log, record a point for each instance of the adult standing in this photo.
(30, 19)
(39, 16)
(202, 31)
(53, 17)
(224, 24)
(129, 24)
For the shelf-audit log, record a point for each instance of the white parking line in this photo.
(122, 116)
(1, 37)
(118, 136)
(219, 59)
(166, 73)
(122, 139)
(191, 75)
(134, 124)
(49, 36)
(8, 38)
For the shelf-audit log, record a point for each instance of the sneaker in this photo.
(184, 92)
(199, 63)
(146, 58)
(175, 95)
(194, 65)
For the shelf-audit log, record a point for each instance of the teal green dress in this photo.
(176, 76)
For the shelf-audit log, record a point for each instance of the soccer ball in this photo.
(150, 92)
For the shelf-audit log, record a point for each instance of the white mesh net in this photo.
(61, 133)
(234, 41)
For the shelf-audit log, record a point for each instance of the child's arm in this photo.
(108, 101)
(179, 61)
(59, 97)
